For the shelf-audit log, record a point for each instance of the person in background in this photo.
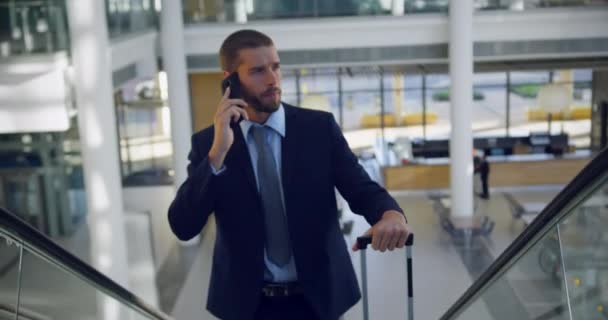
(483, 168)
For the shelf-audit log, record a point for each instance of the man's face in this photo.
(260, 76)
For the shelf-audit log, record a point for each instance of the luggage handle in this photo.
(364, 241)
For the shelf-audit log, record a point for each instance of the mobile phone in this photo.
(234, 83)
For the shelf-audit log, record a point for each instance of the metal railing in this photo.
(41, 280)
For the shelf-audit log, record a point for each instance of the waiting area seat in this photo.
(526, 211)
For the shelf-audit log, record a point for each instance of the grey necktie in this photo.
(277, 239)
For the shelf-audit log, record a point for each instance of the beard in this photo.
(256, 101)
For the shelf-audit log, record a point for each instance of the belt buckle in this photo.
(284, 291)
(274, 290)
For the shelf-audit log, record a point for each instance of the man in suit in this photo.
(270, 179)
(482, 166)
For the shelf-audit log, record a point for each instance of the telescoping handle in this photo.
(362, 243)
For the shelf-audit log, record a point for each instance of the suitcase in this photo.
(363, 242)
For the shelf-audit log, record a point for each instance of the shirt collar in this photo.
(276, 121)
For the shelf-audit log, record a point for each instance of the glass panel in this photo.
(49, 290)
(478, 310)
(28, 27)
(532, 288)
(576, 119)
(319, 90)
(520, 5)
(359, 79)
(134, 315)
(318, 80)
(489, 104)
(411, 113)
(270, 9)
(288, 82)
(38, 182)
(562, 276)
(525, 114)
(145, 138)
(242, 11)
(129, 16)
(361, 108)
(403, 101)
(428, 6)
(583, 241)
(412, 106)
(356, 95)
(531, 104)
(438, 106)
(21, 191)
(292, 99)
(9, 277)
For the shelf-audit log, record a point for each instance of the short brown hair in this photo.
(242, 39)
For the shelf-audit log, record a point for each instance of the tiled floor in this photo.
(440, 276)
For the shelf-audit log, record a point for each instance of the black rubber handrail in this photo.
(37, 242)
(591, 174)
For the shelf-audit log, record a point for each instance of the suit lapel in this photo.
(288, 154)
(238, 157)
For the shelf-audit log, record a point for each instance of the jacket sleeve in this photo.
(195, 198)
(364, 196)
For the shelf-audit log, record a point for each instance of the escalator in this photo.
(41, 281)
(558, 267)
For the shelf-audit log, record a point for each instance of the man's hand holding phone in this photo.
(228, 110)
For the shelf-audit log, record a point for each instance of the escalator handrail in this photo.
(593, 172)
(38, 243)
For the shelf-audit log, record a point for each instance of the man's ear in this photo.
(226, 74)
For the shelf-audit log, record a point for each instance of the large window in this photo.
(490, 104)
(577, 119)
(408, 101)
(144, 135)
(289, 87)
(523, 91)
(438, 106)
(532, 110)
(41, 179)
(377, 106)
(242, 11)
(245, 10)
(319, 89)
(364, 114)
(402, 103)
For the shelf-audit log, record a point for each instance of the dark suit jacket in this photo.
(315, 159)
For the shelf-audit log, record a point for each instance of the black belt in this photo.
(281, 289)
